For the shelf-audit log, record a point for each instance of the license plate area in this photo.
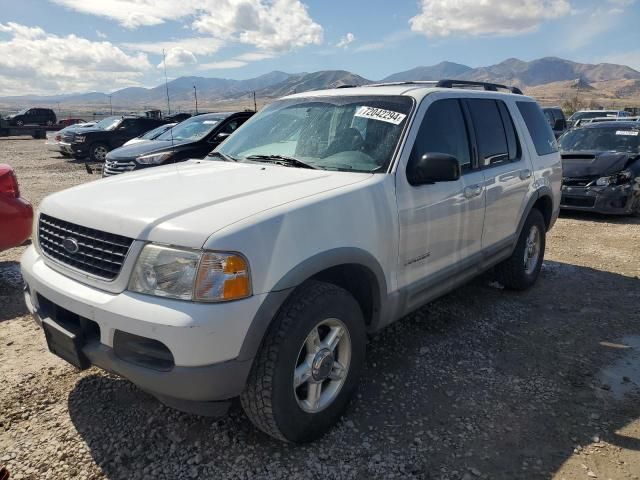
(65, 343)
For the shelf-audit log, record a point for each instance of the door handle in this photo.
(472, 191)
(524, 174)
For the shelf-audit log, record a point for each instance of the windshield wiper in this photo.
(282, 160)
(223, 156)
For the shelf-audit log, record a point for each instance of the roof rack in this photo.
(447, 83)
(491, 87)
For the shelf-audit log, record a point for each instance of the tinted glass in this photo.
(192, 129)
(490, 135)
(510, 131)
(354, 133)
(601, 139)
(443, 130)
(543, 138)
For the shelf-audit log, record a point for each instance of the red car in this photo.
(70, 121)
(16, 214)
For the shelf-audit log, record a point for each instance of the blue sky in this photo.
(62, 46)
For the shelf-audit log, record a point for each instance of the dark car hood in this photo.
(142, 148)
(591, 163)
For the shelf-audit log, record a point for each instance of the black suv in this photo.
(110, 133)
(193, 138)
(556, 119)
(33, 116)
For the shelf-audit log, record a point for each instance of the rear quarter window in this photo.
(543, 138)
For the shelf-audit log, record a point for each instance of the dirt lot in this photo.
(483, 383)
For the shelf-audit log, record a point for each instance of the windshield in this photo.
(193, 129)
(22, 112)
(355, 133)
(151, 134)
(596, 114)
(108, 123)
(602, 139)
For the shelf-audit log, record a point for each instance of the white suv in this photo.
(258, 271)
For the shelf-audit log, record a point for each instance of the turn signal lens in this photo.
(222, 277)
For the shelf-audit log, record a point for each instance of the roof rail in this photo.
(491, 87)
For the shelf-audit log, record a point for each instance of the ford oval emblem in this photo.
(71, 245)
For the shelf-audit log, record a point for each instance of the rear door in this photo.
(505, 166)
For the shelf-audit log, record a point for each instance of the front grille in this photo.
(100, 254)
(578, 201)
(114, 167)
(579, 181)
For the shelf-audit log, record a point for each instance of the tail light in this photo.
(9, 184)
(58, 138)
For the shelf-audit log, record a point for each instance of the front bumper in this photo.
(619, 199)
(204, 339)
(79, 150)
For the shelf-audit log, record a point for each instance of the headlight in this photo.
(79, 139)
(619, 178)
(154, 158)
(191, 274)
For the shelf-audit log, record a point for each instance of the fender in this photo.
(543, 191)
(300, 273)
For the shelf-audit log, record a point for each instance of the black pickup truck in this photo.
(109, 133)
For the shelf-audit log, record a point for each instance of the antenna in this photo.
(195, 93)
(166, 82)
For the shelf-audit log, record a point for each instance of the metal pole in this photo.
(195, 94)
(166, 82)
(110, 106)
(255, 105)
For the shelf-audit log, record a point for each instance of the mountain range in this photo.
(552, 73)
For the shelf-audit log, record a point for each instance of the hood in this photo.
(144, 147)
(185, 203)
(592, 163)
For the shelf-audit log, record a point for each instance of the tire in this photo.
(515, 273)
(98, 152)
(49, 123)
(270, 400)
(20, 123)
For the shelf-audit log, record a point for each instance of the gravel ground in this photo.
(483, 383)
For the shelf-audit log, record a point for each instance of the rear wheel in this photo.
(49, 122)
(520, 271)
(98, 152)
(309, 364)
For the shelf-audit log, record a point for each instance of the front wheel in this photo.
(309, 364)
(98, 152)
(520, 271)
(20, 123)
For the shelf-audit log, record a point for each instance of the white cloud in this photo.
(179, 57)
(224, 64)
(255, 56)
(34, 61)
(100, 34)
(441, 18)
(346, 40)
(590, 24)
(273, 25)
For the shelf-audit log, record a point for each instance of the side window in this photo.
(490, 133)
(510, 130)
(543, 138)
(231, 126)
(443, 130)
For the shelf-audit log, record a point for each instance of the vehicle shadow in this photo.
(497, 383)
(600, 217)
(11, 299)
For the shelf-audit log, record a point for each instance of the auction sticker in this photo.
(380, 114)
(630, 133)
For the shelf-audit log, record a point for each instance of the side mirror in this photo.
(432, 168)
(560, 124)
(221, 136)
